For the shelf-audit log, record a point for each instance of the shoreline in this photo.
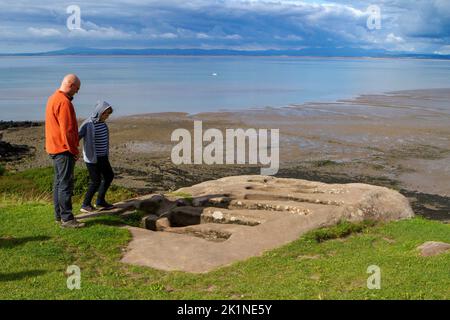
(350, 99)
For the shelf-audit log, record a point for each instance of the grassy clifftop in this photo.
(324, 264)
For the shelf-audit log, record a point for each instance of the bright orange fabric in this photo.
(61, 127)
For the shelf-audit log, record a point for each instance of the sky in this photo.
(421, 26)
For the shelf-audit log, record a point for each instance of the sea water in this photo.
(145, 84)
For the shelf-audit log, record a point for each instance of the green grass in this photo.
(184, 195)
(35, 253)
(134, 219)
(340, 230)
(36, 185)
(328, 263)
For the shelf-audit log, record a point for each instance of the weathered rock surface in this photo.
(433, 248)
(230, 219)
(10, 152)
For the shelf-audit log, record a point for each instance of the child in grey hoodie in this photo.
(95, 133)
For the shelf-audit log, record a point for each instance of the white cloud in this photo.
(444, 50)
(290, 37)
(205, 36)
(167, 35)
(392, 38)
(202, 35)
(44, 32)
(91, 30)
(422, 24)
(233, 37)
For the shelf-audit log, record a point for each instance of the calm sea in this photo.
(145, 84)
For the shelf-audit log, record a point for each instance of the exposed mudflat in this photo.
(399, 139)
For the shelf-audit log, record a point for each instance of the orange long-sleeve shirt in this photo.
(61, 127)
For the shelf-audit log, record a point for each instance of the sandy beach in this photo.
(398, 139)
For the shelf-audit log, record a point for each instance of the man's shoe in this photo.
(87, 209)
(104, 206)
(72, 224)
(58, 221)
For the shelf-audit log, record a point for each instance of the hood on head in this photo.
(100, 107)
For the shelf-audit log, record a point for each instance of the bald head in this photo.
(70, 84)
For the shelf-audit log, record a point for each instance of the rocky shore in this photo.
(12, 152)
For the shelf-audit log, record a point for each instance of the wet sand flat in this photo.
(402, 137)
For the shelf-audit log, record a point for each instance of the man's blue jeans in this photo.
(64, 164)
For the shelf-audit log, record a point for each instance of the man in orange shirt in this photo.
(61, 143)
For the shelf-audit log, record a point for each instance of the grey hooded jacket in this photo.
(87, 132)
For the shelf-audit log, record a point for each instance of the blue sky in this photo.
(421, 26)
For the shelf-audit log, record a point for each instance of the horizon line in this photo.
(88, 51)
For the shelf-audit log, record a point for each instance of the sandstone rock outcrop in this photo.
(218, 222)
(433, 248)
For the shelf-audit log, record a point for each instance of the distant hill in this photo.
(307, 52)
